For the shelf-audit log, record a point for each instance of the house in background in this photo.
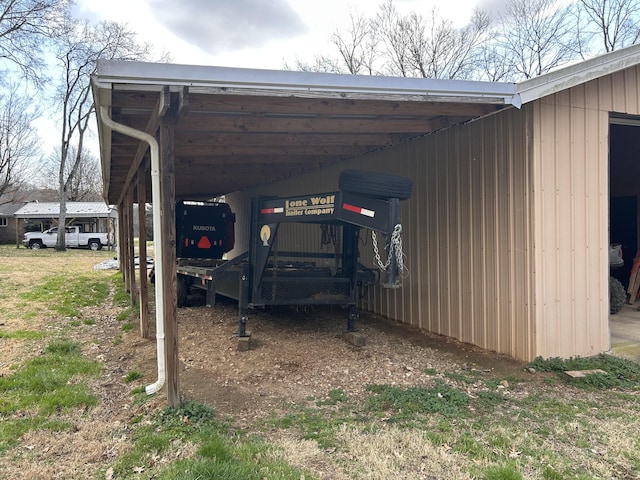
(9, 231)
(90, 216)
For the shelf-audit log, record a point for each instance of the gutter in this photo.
(157, 234)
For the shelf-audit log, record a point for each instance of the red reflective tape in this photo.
(272, 210)
(359, 210)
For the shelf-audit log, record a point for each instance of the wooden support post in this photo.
(142, 248)
(124, 246)
(169, 294)
(131, 248)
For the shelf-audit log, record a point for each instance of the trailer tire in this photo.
(95, 244)
(375, 185)
(35, 245)
(183, 291)
(617, 295)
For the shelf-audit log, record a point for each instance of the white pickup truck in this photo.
(73, 237)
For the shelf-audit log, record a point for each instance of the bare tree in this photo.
(24, 24)
(18, 141)
(320, 63)
(77, 54)
(358, 45)
(406, 45)
(438, 50)
(536, 36)
(491, 64)
(612, 24)
(84, 185)
(389, 26)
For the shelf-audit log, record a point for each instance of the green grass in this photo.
(405, 403)
(334, 397)
(620, 373)
(544, 426)
(220, 451)
(120, 296)
(132, 376)
(23, 335)
(51, 383)
(503, 472)
(65, 296)
(127, 327)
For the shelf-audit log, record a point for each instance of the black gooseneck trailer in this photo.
(264, 276)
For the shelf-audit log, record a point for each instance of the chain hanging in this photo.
(395, 246)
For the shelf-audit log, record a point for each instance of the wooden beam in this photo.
(186, 138)
(261, 105)
(332, 106)
(145, 319)
(273, 150)
(223, 124)
(169, 295)
(124, 245)
(183, 102)
(131, 247)
(120, 245)
(153, 123)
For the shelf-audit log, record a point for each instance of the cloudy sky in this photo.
(250, 33)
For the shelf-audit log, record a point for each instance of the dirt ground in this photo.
(301, 353)
(294, 355)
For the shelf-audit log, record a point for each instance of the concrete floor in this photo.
(625, 332)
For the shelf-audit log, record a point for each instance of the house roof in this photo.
(74, 210)
(237, 128)
(8, 209)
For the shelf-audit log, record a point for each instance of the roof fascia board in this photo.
(110, 72)
(577, 74)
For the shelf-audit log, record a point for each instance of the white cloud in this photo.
(221, 25)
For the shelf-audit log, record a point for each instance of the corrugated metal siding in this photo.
(506, 233)
(570, 165)
(466, 233)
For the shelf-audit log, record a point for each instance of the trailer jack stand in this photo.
(244, 337)
(351, 319)
(351, 335)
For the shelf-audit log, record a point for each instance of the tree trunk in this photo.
(61, 244)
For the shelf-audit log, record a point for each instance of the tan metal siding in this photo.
(506, 234)
(466, 232)
(571, 213)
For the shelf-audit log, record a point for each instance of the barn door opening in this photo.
(624, 194)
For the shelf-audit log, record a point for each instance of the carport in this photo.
(509, 188)
(222, 130)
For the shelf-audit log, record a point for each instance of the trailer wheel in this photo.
(95, 245)
(617, 295)
(183, 291)
(35, 245)
(375, 185)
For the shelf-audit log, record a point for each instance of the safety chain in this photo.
(395, 245)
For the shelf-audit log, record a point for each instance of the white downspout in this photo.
(157, 233)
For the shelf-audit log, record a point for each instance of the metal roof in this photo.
(237, 128)
(578, 73)
(74, 210)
